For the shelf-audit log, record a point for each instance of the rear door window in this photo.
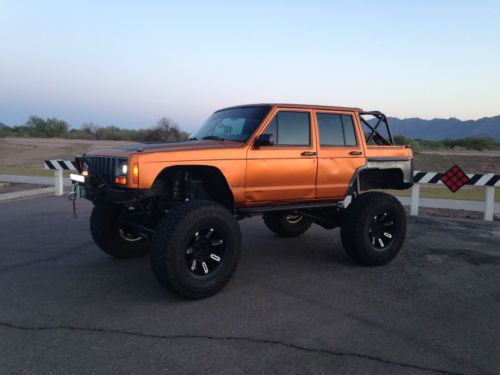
(336, 130)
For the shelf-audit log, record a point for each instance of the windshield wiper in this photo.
(214, 137)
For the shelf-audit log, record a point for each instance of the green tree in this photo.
(165, 130)
(36, 126)
(56, 128)
(52, 127)
(90, 129)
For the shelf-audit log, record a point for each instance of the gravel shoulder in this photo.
(7, 187)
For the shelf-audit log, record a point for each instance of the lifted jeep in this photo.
(294, 164)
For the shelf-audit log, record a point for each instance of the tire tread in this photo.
(167, 236)
(353, 229)
(102, 228)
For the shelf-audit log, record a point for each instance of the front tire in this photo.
(195, 249)
(374, 228)
(286, 224)
(110, 237)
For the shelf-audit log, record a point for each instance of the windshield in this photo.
(236, 124)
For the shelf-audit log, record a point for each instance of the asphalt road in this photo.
(294, 305)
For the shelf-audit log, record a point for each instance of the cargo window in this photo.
(336, 130)
(290, 129)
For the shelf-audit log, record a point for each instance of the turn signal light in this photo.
(135, 173)
(121, 180)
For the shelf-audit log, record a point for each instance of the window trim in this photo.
(343, 131)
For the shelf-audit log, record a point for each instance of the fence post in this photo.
(58, 182)
(415, 198)
(489, 202)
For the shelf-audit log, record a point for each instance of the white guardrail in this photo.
(59, 166)
(488, 181)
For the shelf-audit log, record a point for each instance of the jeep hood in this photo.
(146, 148)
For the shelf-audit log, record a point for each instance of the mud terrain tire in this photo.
(196, 249)
(374, 228)
(106, 233)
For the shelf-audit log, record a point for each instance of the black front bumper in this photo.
(107, 194)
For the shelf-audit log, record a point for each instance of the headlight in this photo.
(85, 168)
(121, 173)
(121, 168)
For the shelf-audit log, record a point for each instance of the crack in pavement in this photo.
(229, 338)
(71, 251)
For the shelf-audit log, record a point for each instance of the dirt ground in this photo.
(469, 161)
(30, 152)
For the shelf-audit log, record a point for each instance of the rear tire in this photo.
(195, 249)
(374, 228)
(106, 232)
(286, 224)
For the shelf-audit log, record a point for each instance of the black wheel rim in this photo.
(382, 230)
(205, 252)
(125, 232)
(293, 218)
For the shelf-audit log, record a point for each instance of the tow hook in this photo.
(72, 197)
(73, 194)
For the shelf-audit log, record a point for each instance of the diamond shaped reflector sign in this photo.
(454, 178)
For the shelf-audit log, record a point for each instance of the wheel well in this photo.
(193, 182)
(392, 178)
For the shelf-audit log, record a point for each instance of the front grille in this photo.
(103, 167)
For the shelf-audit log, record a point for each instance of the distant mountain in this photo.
(2, 125)
(452, 128)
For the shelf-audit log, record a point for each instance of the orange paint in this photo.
(267, 174)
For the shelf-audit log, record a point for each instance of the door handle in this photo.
(355, 153)
(308, 153)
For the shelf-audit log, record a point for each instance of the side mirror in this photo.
(264, 140)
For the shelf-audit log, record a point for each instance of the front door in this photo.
(286, 170)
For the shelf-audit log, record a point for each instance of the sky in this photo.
(128, 63)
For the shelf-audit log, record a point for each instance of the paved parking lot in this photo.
(294, 305)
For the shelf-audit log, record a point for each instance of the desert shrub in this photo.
(471, 143)
(401, 140)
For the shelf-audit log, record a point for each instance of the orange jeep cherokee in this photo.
(294, 164)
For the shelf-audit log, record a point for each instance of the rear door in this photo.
(340, 152)
(286, 170)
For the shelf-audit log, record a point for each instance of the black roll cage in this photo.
(378, 138)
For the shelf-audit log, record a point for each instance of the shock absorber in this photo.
(176, 186)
